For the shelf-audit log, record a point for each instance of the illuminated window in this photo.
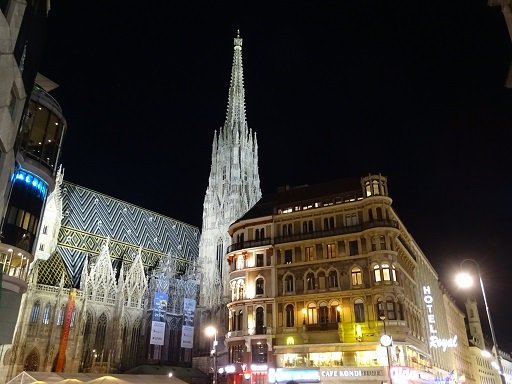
(290, 316)
(290, 340)
(385, 272)
(393, 273)
(376, 273)
(357, 276)
(312, 314)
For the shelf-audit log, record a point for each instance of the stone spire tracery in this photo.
(233, 188)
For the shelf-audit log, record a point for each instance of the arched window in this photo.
(47, 313)
(290, 231)
(220, 256)
(101, 330)
(323, 313)
(241, 290)
(240, 321)
(333, 279)
(312, 314)
(357, 277)
(386, 276)
(290, 316)
(260, 286)
(376, 273)
(310, 226)
(359, 310)
(260, 329)
(310, 281)
(335, 312)
(288, 283)
(370, 215)
(60, 314)
(393, 273)
(379, 213)
(329, 222)
(34, 314)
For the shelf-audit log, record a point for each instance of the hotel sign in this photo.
(435, 341)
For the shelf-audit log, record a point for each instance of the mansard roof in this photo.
(287, 196)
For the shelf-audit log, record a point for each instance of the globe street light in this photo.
(386, 341)
(465, 280)
(212, 332)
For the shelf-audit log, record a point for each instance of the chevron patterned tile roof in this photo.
(89, 217)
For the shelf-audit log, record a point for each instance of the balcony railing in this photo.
(315, 234)
(249, 244)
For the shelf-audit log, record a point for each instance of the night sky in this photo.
(334, 89)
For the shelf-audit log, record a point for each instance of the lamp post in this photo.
(386, 341)
(465, 280)
(212, 331)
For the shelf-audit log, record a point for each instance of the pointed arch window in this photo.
(101, 330)
(357, 277)
(321, 280)
(333, 279)
(220, 257)
(260, 286)
(310, 281)
(312, 314)
(288, 284)
(73, 318)
(60, 314)
(386, 275)
(323, 313)
(34, 314)
(240, 320)
(359, 310)
(46, 314)
(335, 311)
(290, 316)
(260, 321)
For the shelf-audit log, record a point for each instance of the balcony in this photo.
(249, 244)
(336, 231)
(314, 235)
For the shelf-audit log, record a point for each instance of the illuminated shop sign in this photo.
(298, 375)
(31, 181)
(435, 341)
(410, 374)
(325, 373)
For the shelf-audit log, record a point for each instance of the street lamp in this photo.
(386, 341)
(465, 280)
(212, 332)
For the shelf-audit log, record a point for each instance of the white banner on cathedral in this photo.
(187, 330)
(158, 319)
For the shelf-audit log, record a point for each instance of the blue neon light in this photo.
(31, 180)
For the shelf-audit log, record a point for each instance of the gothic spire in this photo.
(236, 124)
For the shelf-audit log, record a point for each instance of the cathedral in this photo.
(105, 272)
(113, 285)
(233, 188)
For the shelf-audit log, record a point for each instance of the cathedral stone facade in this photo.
(91, 291)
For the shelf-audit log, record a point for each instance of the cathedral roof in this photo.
(51, 271)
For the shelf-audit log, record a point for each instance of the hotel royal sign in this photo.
(434, 340)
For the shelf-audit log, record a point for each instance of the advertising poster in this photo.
(187, 330)
(158, 319)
